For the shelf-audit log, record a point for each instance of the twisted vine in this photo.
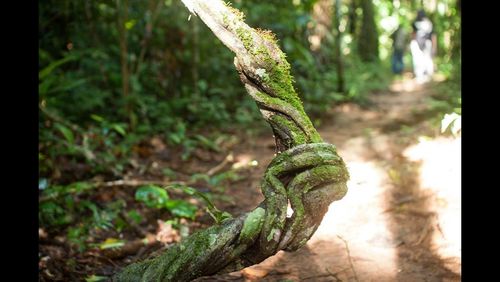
(307, 173)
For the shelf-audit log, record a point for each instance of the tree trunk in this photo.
(457, 37)
(338, 48)
(353, 17)
(122, 14)
(196, 57)
(306, 172)
(368, 37)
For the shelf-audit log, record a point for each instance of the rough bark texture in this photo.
(306, 172)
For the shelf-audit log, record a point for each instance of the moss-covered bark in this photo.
(202, 253)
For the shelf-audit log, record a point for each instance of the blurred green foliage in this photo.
(114, 73)
(181, 78)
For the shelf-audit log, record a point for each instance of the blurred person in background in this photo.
(423, 48)
(399, 44)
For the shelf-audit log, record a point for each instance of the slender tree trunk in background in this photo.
(434, 17)
(196, 56)
(153, 12)
(95, 37)
(322, 15)
(353, 17)
(122, 14)
(338, 48)
(368, 37)
(457, 37)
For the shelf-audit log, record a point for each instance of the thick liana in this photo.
(306, 172)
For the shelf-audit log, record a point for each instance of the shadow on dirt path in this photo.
(400, 220)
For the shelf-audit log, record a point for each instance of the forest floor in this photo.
(400, 220)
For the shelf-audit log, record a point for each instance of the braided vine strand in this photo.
(310, 166)
(306, 172)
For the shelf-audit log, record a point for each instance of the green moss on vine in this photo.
(245, 37)
(186, 260)
(239, 15)
(225, 20)
(252, 226)
(262, 46)
(297, 135)
(279, 78)
(267, 35)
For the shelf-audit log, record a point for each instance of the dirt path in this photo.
(400, 220)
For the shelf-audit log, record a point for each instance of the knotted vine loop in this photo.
(317, 177)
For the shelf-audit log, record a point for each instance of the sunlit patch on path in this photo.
(440, 174)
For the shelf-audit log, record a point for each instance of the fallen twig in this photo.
(334, 275)
(229, 158)
(440, 230)
(349, 256)
(130, 248)
(318, 276)
(136, 182)
(420, 213)
(427, 228)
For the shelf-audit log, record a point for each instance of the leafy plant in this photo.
(156, 197)
(135, 216)
(181, 208)
(214, 212)
(451, 122)
(152, 196)
(52, 214)
(78, 235)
